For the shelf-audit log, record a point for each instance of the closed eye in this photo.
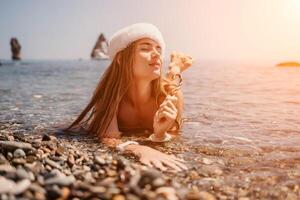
(147, 49)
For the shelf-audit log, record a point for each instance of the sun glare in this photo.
(293, 7)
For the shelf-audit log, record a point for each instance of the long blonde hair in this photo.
(112, 87)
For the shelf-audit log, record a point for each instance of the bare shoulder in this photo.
(113, 129)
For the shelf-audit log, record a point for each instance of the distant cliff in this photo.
(288, 64)
(15, 48)
(99, 51)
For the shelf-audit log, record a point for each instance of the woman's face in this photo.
(147, 59)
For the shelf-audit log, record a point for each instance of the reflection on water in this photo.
(242, 115)
(254, 104)
(233, 102)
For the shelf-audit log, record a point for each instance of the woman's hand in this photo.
(153, 158)
(165, 116)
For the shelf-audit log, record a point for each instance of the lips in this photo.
(155, 64)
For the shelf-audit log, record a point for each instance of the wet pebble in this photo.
(76, 169)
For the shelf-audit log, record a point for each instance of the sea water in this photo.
(248, 110)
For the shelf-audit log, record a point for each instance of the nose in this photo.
(155, 53)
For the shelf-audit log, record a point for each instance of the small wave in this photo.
(5, 91)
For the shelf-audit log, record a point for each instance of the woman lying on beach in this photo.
(130, 97)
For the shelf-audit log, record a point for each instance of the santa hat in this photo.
(123, 37)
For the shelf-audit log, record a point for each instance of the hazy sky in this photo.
(205, 29)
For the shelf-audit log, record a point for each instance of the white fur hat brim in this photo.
(122, 38)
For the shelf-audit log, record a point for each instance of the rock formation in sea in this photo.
(99, 51)
(288, 64)
(15, 49)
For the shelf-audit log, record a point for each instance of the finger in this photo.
(163, 104)
(171, 97)
(166, 99)
(169, 104)
(181, 165)
(178, 163)
(176, 158)
(146, 162)
(172, 165)
(169, 110)
(167, 115)
(159, 165)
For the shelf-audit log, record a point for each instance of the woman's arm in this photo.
(112, 137)
(147, 155)
(179, 106)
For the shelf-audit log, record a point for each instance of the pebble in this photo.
(119, 197)
(52, 163)
(37, 96)
(12, 145)
(37, 188)
(19, 161)
(21, 186)
(207, 161)
(46, 137)
(7, 168)
(19, 153)
(44, 167)
(100, 160)
(97, 189)
(71, 160)
(9, 186)
(159, 182)
(3, 160)
(10, 156)
(65, 192)
(61, 180)
(168, 192)
(206, 196)
(60, 151)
